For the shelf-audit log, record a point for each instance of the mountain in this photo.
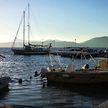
(55, 43)
(94, 42)
(7, 44)
(58, 43)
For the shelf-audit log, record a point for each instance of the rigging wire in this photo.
(17, 31)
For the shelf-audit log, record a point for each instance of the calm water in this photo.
(34, 92)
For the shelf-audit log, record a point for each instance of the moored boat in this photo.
(90, 76)
(86, 75)
(4, 82)
(28, 48)
(4, 78)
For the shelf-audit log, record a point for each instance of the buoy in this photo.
(36, 74)
(30, 77)
(20, 81)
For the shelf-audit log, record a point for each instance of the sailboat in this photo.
(28, 48)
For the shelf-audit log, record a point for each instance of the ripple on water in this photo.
(32, 91)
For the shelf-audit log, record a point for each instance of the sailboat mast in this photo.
(23, 28)
(28, 23)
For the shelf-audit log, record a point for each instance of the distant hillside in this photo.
(57, 43)
(95, 42)
(54, 43)
(7, 44)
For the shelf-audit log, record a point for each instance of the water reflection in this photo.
(86, 90)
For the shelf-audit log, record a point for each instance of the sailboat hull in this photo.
(29, 52)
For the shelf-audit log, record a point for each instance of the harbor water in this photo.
(34, 91)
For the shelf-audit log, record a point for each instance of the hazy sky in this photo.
(56, 19)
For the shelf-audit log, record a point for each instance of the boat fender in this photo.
(54, 70)
(86, 66)
(50, 68)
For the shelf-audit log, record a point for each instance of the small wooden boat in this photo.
(4, 82)
(4, 79)
(85, 75)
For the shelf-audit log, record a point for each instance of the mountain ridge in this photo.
(94, 42)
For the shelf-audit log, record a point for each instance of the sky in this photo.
(66, 20)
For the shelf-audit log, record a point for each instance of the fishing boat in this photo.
(4, 79)
(85, 75)
(29, 48)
